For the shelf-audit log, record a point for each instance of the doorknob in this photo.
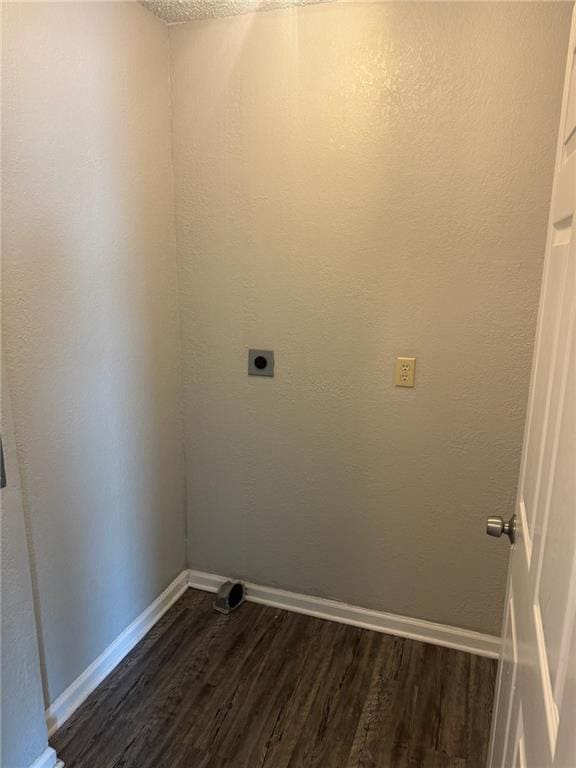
(496, 527)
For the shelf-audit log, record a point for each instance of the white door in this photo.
(535, 713)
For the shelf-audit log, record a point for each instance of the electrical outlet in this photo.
(260, 362)
(404, 371)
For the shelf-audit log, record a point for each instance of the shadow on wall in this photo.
(90, 322)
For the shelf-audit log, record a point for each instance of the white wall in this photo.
(90, 317)
(23, 735)
(356, 182)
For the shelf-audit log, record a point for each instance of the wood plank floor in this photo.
(264, 688)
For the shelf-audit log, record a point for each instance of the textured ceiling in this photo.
(177, 11)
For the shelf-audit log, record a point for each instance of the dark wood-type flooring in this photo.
(264, 688)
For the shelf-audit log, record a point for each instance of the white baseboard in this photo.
(331, 610)
(389, 623)
(48, 759)
(67, 703)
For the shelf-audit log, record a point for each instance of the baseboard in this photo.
(416, 629)
(48, 759)
(388, 623)
(67, 703)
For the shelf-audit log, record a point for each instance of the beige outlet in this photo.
(404, 371)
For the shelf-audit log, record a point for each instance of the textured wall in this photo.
(178, 11)
(355, 182)
(90, 317)
(23, 735)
